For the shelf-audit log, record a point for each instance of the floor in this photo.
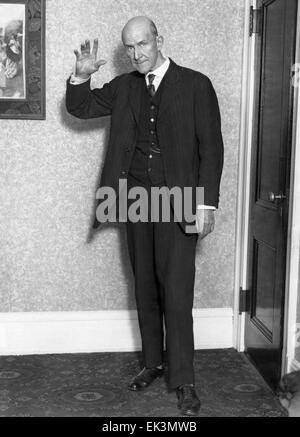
(94, 385)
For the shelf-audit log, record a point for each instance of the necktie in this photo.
(151, 87)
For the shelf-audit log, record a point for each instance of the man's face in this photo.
(142, 47)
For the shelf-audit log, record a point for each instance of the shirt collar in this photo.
(160, 71)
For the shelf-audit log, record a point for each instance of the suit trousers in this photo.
(163, 262)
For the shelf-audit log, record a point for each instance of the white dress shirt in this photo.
(159, 75)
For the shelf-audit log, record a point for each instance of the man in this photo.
(165, 132)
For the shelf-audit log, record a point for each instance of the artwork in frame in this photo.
(22, 59)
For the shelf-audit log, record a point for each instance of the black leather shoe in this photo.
(145, 378)
(188, 401)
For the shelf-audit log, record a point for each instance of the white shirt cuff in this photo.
(213, 208)
(77, 80)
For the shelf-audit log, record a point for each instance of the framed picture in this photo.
(22, 59)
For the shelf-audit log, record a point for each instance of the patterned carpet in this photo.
(94, 385)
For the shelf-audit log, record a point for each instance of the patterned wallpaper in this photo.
(50, 261)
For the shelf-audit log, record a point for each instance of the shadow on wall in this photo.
(82, 126)
(121, 65)
(121, 62)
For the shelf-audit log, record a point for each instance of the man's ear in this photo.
(160, 42)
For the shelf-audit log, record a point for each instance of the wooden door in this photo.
(275, 54)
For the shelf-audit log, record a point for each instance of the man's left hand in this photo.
(205, 222)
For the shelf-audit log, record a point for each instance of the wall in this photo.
(50, 260)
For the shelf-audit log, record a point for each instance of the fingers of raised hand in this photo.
(95, 47)
(85, 47)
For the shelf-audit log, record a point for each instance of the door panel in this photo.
(271, 100)
(264, 287)
(270, 175)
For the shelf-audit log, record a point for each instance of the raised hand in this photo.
(86, 60)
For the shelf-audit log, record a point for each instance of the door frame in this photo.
(243, 202)
(293, 249)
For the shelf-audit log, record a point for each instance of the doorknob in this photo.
(273, 197)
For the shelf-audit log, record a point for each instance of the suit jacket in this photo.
(188, 127)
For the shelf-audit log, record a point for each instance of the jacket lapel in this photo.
(170, 89)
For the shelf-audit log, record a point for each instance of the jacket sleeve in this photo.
(210, 141)
(82, 102)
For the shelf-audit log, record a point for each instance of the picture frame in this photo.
(22, 59)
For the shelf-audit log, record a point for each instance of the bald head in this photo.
(143, 44)
(140, 22)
